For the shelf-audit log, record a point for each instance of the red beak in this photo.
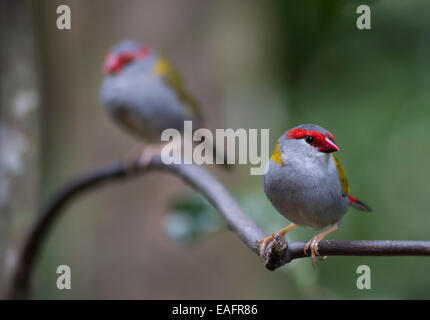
(328, 146)
(111, 64)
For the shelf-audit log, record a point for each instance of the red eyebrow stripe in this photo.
(114, 63)
(131, 55)
(301, 133)
(140, 53)
(143, 52)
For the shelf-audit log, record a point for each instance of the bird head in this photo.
(304, 141)
(123, 54)
(313, 136)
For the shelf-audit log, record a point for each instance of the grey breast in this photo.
(303, 197)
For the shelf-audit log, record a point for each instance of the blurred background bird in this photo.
(144, 94)
(307, 184)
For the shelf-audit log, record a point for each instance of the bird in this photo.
(143, 93)
(306, 183)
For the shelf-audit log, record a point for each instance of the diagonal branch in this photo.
(278, 253)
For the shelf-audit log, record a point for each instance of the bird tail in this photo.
(357, 204)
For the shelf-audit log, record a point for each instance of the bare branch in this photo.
(278, 253)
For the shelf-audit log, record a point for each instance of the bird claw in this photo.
(265, 242)
(312, 244)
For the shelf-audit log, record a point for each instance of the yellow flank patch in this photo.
(277, 156)
(342, 176)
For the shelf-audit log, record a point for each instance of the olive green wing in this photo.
(342, 176)
(171, 77)
(345, 188)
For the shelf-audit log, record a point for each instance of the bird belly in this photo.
(145, 107)
(306, 198)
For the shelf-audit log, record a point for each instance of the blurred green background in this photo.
(250, 64)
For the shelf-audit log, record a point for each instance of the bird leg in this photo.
(148, 152)
(266, 241)
(131, 157)
(140, 155)
(313, 243)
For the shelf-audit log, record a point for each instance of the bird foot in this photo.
(262, 244)
(148, 153)
(312, 244)
(265, 241)
(135, 159)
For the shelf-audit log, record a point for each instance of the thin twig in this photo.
(278, 253)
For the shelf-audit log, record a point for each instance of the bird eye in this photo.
(309, 139)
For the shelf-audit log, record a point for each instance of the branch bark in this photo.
(278, 253)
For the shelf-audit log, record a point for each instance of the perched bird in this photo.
(306, 183)
(144, 94)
